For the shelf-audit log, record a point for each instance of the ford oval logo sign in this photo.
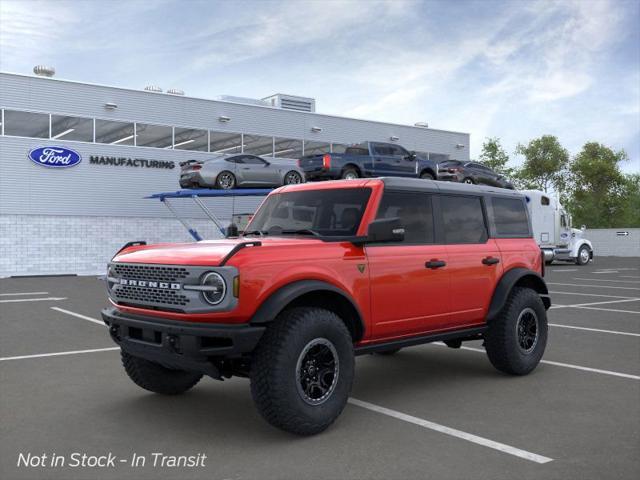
(55, 157)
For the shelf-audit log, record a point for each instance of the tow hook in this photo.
(114, 331)
(173, 343)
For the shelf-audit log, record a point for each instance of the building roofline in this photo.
(232, 103)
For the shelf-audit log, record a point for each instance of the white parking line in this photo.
(606, 271)
(48, 299)
(84, 317)
(23, 293)
(56, 354)
(607, 280)
(577, 305)
(587, 294)
(485, 442)
(558, 364)
(629, 276)
(610, 310)
(615, 332)
(596, 286)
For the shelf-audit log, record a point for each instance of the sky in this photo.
(513, 69)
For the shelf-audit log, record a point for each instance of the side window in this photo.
(415, 213)
(463, 219)
(381, 149)
(250, 159)
(398, 151)
(510, 217)
(235, 160)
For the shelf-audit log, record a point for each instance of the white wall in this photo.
(607, 242)
(53, 245)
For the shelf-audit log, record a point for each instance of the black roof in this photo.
(433, 186)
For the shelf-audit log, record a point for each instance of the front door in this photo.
(474, 259)
(409, 279)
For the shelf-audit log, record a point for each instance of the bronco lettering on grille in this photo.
(150, 284)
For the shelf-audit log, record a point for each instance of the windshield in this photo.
(326, 213)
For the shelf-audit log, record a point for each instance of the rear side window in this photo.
(463, 219)
(415, 214)
(510, 217)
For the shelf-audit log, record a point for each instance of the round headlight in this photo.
(216, 288)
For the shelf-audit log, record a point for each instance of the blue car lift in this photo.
(199, 193)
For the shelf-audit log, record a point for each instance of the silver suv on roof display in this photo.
(241, 170)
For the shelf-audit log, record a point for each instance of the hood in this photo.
(577, 233)
(205, 253)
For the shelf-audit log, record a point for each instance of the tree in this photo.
(495, 157)
(545, 164)
(600, 195)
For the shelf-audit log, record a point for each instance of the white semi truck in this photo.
(553, 232)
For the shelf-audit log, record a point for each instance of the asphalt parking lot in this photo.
(427, 412)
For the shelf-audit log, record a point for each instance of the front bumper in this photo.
(180, 345)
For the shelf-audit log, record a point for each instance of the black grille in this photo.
(153, 273)
(159, 296)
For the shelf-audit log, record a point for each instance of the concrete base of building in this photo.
(82, 245)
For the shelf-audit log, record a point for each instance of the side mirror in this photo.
(383, 230)
(411, 156)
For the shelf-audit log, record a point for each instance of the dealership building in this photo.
(129, 144)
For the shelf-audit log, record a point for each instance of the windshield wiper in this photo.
(302, 231)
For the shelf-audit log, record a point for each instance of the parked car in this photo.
(243, 170)
(368, 159)
(471, 172)
(325, 272)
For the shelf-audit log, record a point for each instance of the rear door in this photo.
(383, 159)
(408, 297)
(473, 258)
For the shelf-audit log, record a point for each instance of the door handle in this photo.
(490, 260)
(433, 264)
(246, 168)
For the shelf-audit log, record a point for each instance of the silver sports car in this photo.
(242, 170)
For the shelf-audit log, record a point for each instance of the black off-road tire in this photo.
(156, 378)
(350, 173)
(502, 341)
(427, 176)
(275, 376)
(387, 353)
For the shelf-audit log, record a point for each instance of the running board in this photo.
(466, 334)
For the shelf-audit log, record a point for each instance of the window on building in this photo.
(114, 133)
(415, 214)
(225, 143)
(191, 139)
(287, 148)
(158, 136)
(463, 219)
(26, 124)
(71, 128)
(258, 145)
(316, 148)
(510, 217)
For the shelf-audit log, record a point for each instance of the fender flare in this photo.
(506, 284)
(580, 243)
(282, 297)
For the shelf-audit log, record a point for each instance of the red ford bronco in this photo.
(324, 272)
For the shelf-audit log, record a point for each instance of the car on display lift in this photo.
(553, 231)
(324, 272)
(368, 159)
(243, 170)
(471, 172)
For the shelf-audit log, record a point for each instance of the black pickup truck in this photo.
(368, 159)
